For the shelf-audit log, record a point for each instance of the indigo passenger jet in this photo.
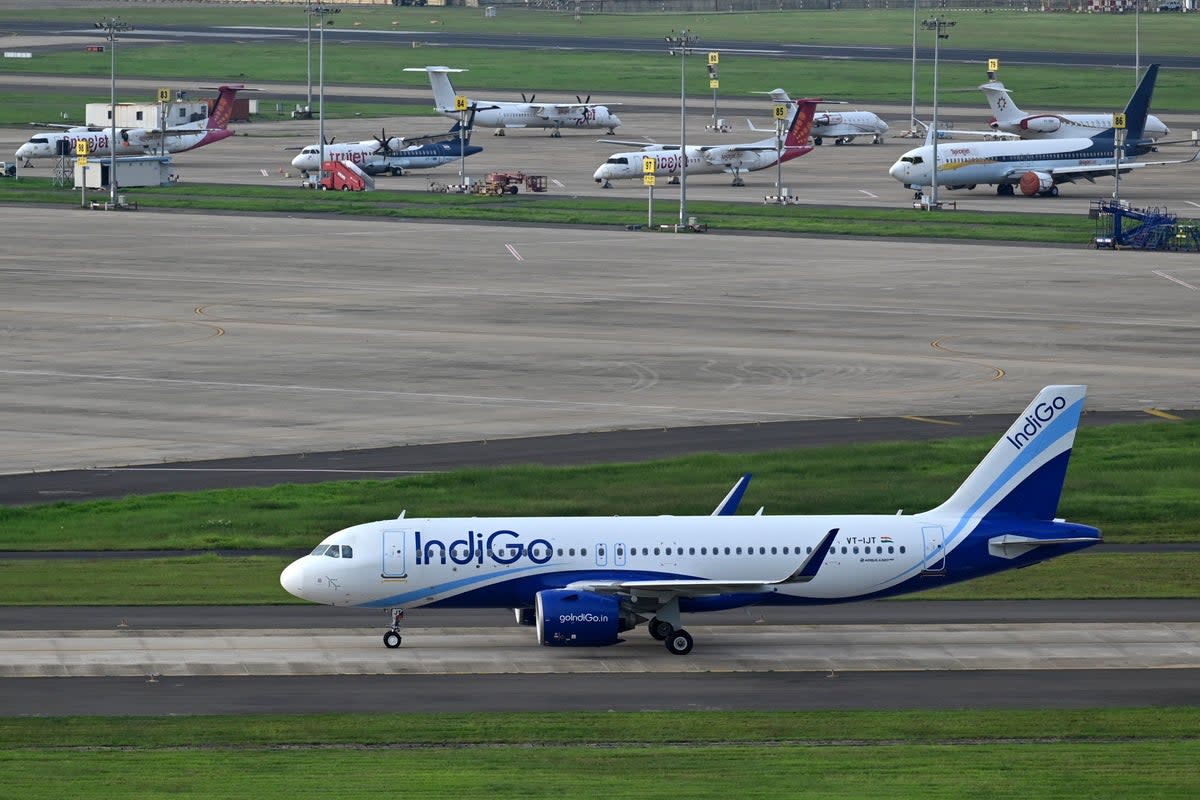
(583, 581)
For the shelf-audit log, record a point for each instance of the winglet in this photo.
(729, 506)
(808, 570)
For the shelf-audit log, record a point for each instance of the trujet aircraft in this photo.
(585, 581)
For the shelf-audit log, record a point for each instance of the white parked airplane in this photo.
(393, 155)
(714, 158)
(525, 114)
(1007, 118)
(583, 581)
(843, 127)
(139, 141)
(1036, 166)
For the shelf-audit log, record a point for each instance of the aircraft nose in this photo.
(614, 119)
(298, 161)
(292, 579)
(897, 171)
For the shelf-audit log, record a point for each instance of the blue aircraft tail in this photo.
(1022, 476)
(468, 128)
(1138, 108)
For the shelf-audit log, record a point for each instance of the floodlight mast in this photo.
(321, 12)
(681, 43)
(111, 27)
(938, 25)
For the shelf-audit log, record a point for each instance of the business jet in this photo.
(1007, 118)
(843, 127)
(394, 155)
(584, 581)
(525, 114)
(1037, 167)
(715, 158)
(138, 141)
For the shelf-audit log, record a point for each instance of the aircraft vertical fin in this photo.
(1022, 476)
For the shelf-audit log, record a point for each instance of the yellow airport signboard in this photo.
(714, 84)
(780, 111)
(714, 58)
(648, 164)
(81, 161)
(164, 95)
(993, 64)
(81, 147)
(1118, 121)
(648, 179)
(460, 102)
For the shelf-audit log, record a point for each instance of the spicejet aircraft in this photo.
(140, 141)
(714, 158)
(583, 581)
(1036, 166)
(501, 114)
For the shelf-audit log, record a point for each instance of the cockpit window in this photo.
(913, 159)
(333, 552)
(319, 549)
(618, 160)
(347, 552)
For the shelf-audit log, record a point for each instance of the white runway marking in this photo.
(1173, 279)
(513, 251)
(869, 194)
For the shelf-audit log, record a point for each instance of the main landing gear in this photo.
(392, 638)
(678, 641)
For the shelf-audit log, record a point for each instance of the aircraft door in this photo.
(935, 550)
(619, 554)
(601, 554)
(394, 565)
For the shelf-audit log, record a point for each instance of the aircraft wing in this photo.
(1091, 171)
(631, 143)
(805, 572)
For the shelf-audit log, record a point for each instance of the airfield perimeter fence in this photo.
(582, 7)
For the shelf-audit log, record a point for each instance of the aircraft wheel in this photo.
(660, 629)
(817, 141)
(345, 188)
(391, 640)
(1052, 191)
(680, 642)
(324, 188)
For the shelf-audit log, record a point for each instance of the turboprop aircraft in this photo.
(500, 114)
(583, 581)
(1007, 118)
(139, 141)
(1036, 166)
(713, 158)
(843, 127)
(394, 155)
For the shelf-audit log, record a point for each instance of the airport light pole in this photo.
(308, 12)
(321, 12)
(938, 25)
(111, 27)
(680, 43)
(912, 114)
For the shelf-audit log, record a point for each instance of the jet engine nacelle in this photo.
(567, 618)
(1035, 183)
(1046, 123)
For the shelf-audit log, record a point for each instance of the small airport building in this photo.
(131, 172)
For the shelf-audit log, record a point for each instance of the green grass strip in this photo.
(1065, 229)
(1003, 754)
(1135, 482)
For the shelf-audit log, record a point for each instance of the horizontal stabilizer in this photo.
(1011, 545)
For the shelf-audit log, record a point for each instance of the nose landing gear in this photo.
(392, 638)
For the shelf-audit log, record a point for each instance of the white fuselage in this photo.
(367, 156)
(670, 161)
(966, 164)
(481, 562)
(130, 142)
(1068, 126)
(844, 126)
(539, 115)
